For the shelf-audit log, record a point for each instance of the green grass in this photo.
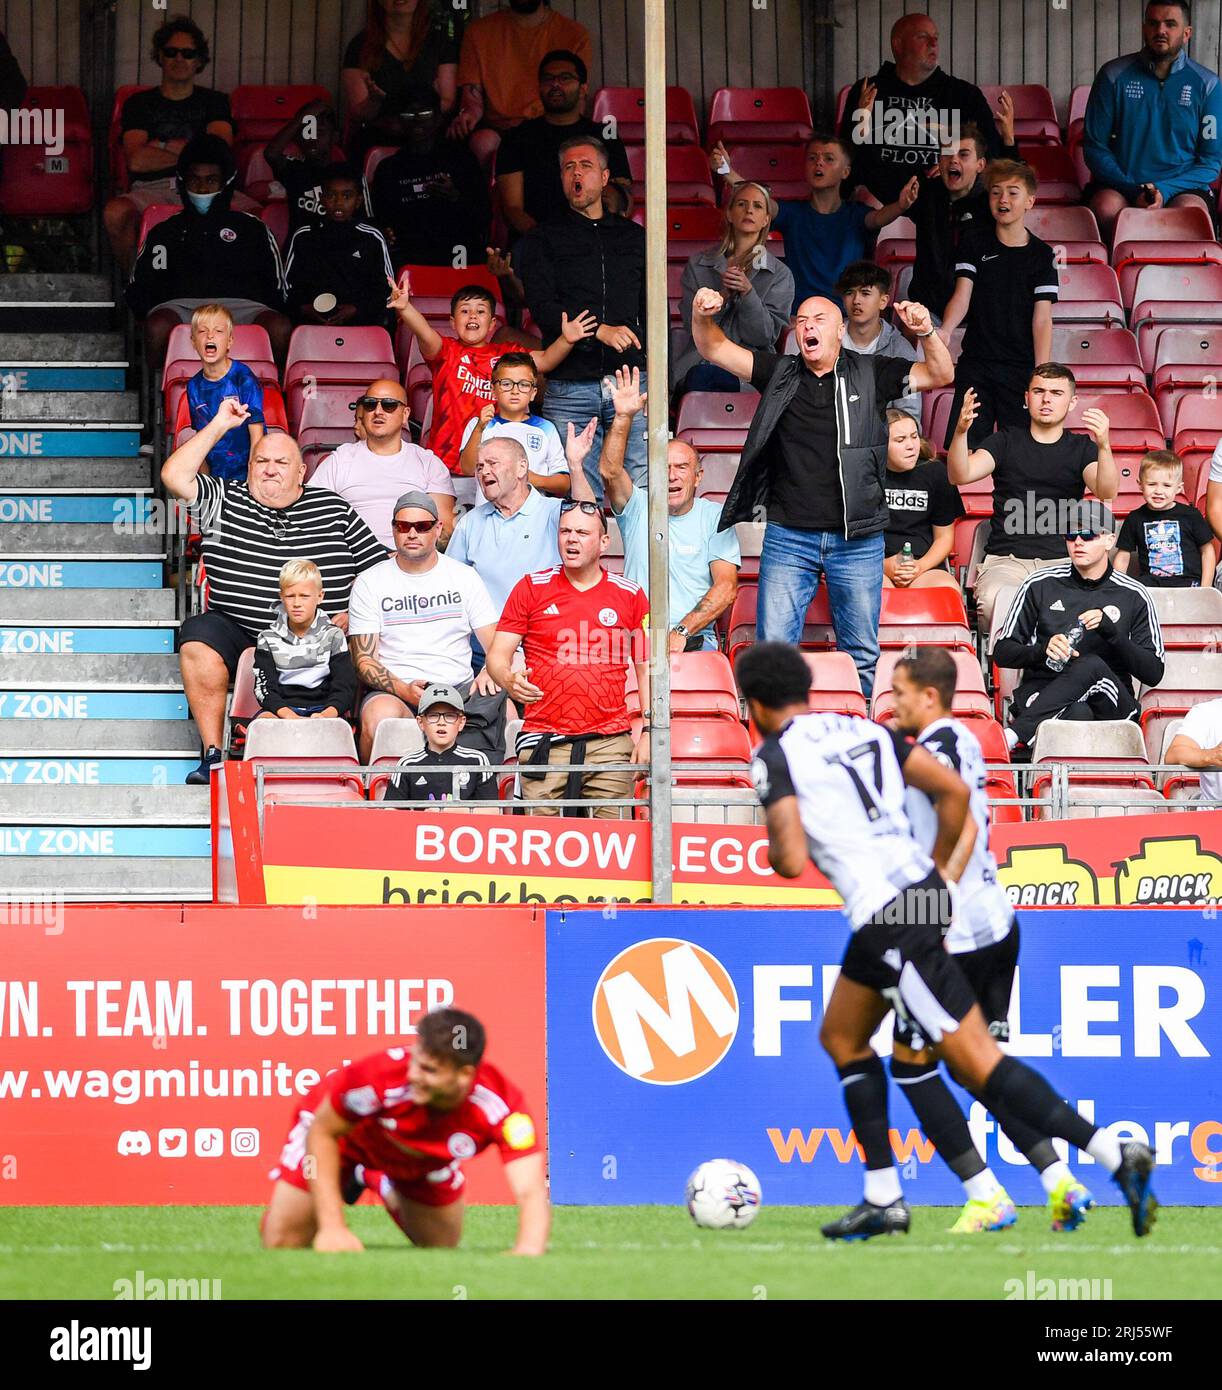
(603, 1252)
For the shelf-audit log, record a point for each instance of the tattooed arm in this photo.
(372, 673)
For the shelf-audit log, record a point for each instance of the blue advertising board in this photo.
(676, 1036)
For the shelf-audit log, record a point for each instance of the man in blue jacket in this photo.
(1152, 135)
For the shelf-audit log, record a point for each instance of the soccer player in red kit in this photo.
(401, 1123)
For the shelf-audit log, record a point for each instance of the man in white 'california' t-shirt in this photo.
(410, 621)
(1199, 745)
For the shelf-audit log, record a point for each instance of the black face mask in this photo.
(524, 6)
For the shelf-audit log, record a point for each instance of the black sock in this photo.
(864, 1085)
(941, 1118)
(1014, 1088)
(1036, 1148)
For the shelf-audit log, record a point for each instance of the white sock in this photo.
(882, 1186)
(1103, 1148)
(982, 1187)
(1054, 1175)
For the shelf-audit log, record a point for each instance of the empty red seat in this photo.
(690, 228)
(1100, 358)
(1035, 115)
(1166, 294)
(970, 700)
(781, 167)
(1191, 223)
(1077, 113)
(1058, 224)
(1186, 361)
(1088, 294)
(701, 687)
(626, 106)
(1138, 255)
(835, 684)
(709, 741)
(758, 115)
(932, 617)
(319, 355)
(1188, 679)
(1057, 175)
(328, 407)
(275, 217)
(1133, 415)
(38, 183)
(896, 242)
(688, 177)
(817, 632)
(706, 411)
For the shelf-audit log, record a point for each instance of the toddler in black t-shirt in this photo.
(1173, 541)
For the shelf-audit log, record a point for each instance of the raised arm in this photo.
(572, 331)
(628, 402)
(963, 467)
(181, 470)
(878, 218)
(1102, 477)
(712, 343)
(401, 302)
(937, 369)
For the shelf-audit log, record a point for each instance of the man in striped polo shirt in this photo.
(250, 529)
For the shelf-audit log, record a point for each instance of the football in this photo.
(723, 1195)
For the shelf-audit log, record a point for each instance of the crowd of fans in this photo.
(448, 613)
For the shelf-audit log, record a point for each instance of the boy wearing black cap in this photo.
(441, 717)
(1081, 632)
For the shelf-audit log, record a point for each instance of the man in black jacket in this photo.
(1081, 632)
(589, 260)
(336, 270)
(205, 254)
(897, 120)
(813, 466)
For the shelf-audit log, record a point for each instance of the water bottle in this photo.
(906, 554)
(1073, 637)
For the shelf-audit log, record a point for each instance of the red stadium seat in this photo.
(781, 167)
(325, 745)
(317, 441)
(817, 632)
(319, 355)
(1138, 255)
(251, 346)
(970, 701)
(1198, 427)
(701, 687)
(626, 106)
(1187, 361)
(1191, 223)
(1035, 115)
(1132, 411)
(1072, 232)
(711, 412)
(688, 177)
(709, 741)
(1188, 679)
(719, 472)
(1088, 294)
(1058, 178)
(1166, 294)
(119, 180)
(260, 112)
(758, 115)
(274, 414)
(835, 684)
(433, 286)
(896, 242)
(690, 228)
(38, 183)
(932, 617)
(1077, 113)
(328, 407)
(1101, 358)
(152, 217)
(375, 156)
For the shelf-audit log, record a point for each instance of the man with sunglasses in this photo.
(156, 125)
(1081, 632)
(410, 622)
(371, 473)
(528, 161)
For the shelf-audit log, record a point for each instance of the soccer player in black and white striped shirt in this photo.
(833, 792)
(983, 938)
(250, 529)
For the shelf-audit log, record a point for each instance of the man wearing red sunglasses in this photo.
(410, 622)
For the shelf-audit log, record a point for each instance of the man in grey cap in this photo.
(410, 621)
(442, 719)
(1081, 632)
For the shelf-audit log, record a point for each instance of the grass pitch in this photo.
(605, 1252)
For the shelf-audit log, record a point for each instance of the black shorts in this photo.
(1206, 195)
(899, 954)
(227, 638)
(990, 973)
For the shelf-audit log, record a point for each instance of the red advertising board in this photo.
(155, 1054)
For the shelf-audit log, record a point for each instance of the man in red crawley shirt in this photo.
(579, 627)
(401, 1123)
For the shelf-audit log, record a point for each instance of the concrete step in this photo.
(63, 376)
(172, 804)
(61, 347)
(68, 539)
(66, 605)
(32, 474)
(135, 738)
(107, 880)
(63, 407)
(64, 672)
(40, 288)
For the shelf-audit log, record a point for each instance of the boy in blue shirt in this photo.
(221, 376)
(825, 234)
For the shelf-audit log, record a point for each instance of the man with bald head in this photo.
(513, 531)
(897, 120)
(814, 463)
(385, 464)
(250, 529)
(703, 561)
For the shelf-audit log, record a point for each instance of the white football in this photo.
(723, 1195)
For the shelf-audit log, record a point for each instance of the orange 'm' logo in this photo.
(665, 1011)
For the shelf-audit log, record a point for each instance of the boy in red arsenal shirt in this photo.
(401, 1123)
(579, 627)
(462, 366)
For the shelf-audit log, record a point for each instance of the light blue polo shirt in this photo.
(694, 542)
(501, 549)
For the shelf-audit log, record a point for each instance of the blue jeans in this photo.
(578, 401)
(791, 563)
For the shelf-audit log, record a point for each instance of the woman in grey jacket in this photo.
(757, 289)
